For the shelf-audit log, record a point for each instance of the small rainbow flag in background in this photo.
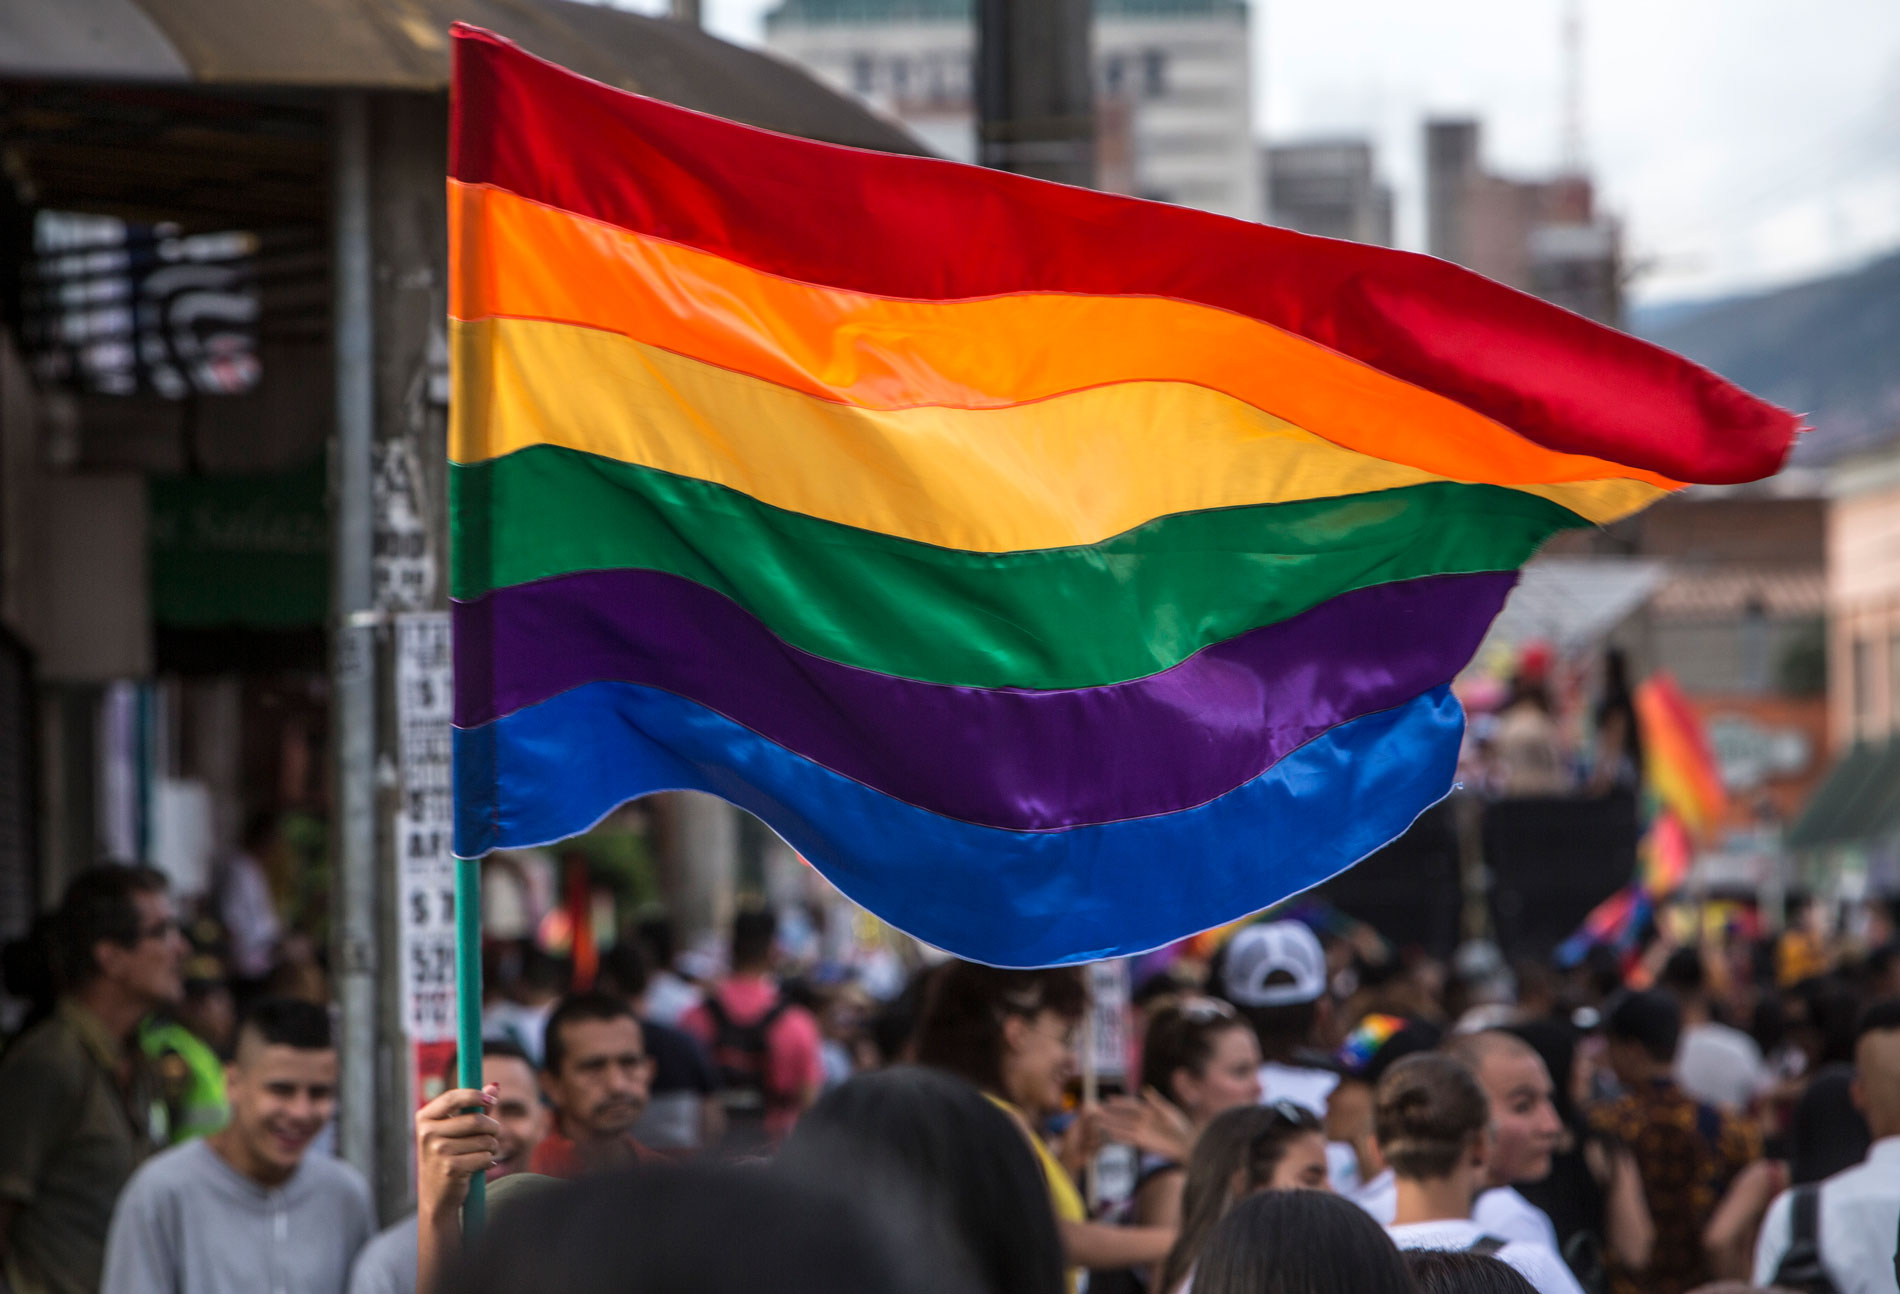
(1062, 574)
(1677, 758)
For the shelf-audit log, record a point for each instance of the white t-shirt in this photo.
(1720, 1065)
(1535, 1263)
(1504, 1213)
(1500, 1212)
(1379, 1197)
(1306, 1088)
(1860, 1209)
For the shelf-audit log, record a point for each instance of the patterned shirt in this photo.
(1687, 1153)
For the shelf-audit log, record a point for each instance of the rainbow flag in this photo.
(1062, 574)
(1678, 760)
(1665, 855)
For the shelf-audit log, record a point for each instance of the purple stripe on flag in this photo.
(1020, 760)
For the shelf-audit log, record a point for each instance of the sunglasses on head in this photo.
(1287, 1112)
(1205, 1010)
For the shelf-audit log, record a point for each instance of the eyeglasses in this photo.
(1066, 1037)
(159, 930)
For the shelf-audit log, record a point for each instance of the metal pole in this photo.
(1035, 89)
(353, 647)
(468, 1015)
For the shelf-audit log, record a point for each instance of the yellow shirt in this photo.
(1063, 1197)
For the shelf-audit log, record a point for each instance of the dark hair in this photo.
(492, 1048)
(1877, 1018)
(624, 968)
(1649, 1018)
(965, 1005)
(572, 1009)
(1181, 1036)
(753, 932)
(540, 970)
(1683, 974)
(694, 1229)
(258, 829)
(1833, 1011)
(100, 905)
(1879, 958)
(656, 932)
(1300, 1242)
(287, 1022)
(1427, 1109)
(1248, 1142)
(1555, 1042)
(935, 1139)
(1459, 1271)
(1604, 969)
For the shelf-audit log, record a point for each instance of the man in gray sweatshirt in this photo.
(248, 1210)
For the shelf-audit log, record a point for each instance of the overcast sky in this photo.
(1744, 142)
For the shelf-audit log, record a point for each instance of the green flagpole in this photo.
(468, 1017)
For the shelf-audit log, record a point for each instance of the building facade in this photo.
(1863, 539)
(1545, 237)
(1173, 79)
(1327, 187)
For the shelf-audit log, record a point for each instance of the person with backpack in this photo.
(1433, 1123)
(765, 1049)
(1838, 1236)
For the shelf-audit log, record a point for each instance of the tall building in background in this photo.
(1545, 237)
(1173, 79)
(1327, 187)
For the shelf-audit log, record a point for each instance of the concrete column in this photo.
(698, 837)
(389, 466)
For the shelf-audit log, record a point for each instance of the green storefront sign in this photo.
(249, 551)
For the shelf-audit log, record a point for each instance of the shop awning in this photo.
(1857, 803)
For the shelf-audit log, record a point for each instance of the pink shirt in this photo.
(792, 1063)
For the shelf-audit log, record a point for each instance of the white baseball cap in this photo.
(1257, 953)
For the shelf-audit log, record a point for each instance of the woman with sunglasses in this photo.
(1012, 1033)
(1205, 1060)
(1275, 1147)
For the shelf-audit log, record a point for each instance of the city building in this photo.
(1327, 187)
(1545, 237)
(1174, 81)
(1849, 837)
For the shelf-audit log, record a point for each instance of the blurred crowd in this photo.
(1301, 1108)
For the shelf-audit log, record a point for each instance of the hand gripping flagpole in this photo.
(468, 1018)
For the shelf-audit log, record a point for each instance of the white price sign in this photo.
(425, 824)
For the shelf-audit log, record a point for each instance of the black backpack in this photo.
(1801, 1268)
(740, 1053)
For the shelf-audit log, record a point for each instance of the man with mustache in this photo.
(596, 1074)
(247, 1209)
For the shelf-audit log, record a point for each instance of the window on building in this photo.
(1863, 678)
(900, 77)
(1154, 72)
(863, 73)
(1754, 646)
(1114, 74)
